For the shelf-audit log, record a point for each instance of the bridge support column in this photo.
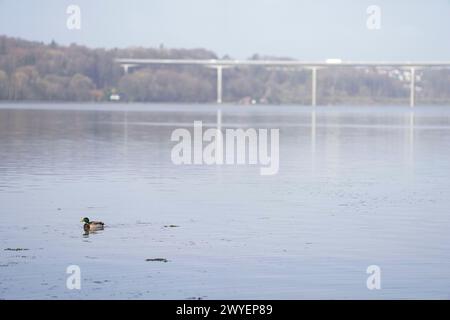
(314, 86)
(412, 96)
(219, 84)
(127, 67)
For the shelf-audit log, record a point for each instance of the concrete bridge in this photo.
(314, 66)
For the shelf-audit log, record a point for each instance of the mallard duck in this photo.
(92, 225)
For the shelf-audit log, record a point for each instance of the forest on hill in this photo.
(35, 71)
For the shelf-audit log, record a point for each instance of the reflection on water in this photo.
(87, 232)
(356, 187)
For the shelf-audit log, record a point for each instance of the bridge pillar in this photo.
(314, 86)
(412, 95)
(219, 84)
(127, 67)
(219, 68)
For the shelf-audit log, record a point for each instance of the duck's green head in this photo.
(85, 220)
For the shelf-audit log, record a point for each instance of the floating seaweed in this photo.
(158, 260)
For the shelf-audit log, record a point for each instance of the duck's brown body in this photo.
(93, 225)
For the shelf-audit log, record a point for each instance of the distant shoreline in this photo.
(38, 72)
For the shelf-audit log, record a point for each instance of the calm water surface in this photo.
(357, 186)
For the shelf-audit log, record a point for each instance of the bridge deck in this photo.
(290, 63)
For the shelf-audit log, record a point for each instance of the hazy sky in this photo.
(303, 29)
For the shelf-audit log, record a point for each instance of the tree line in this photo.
(36, 71)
